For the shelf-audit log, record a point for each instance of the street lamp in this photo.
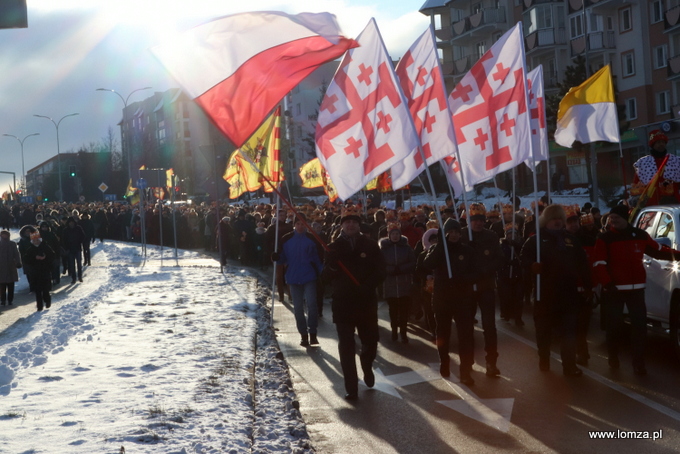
(56, 125)
(23, 170)
(122, 143)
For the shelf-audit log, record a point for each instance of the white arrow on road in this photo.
(495, 413)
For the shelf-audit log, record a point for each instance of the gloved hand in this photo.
(610, 287)
(275, 256)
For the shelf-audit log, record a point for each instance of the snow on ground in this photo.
(171, 359)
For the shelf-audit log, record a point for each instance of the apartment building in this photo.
(640, 39)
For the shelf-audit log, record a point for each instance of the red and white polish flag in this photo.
(237, 68)
(489, 109)
(422, 82)
(539, 131)
(364, 126)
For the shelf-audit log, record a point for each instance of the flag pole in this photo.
(436, 211)
(623, 169)
(500, 204)
(276, 249)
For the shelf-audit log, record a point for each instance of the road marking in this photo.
(495, 413)
(605, 381)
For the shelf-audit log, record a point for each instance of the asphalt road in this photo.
(412, 409)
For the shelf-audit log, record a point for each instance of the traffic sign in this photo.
(81, 198)
(103, 187)
(141, 183)
(38, 192)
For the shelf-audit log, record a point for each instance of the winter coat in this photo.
(9, 261)
(488, 259)
(302, 254)
(361, 256)
(39, 267)
(564, 267)
(618, 254)
(464, 272)
(72, 238)
(400, 264)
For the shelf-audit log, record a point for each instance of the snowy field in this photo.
(171, 358)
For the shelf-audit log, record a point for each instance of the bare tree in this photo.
(110, 143)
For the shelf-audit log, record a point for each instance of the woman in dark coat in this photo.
(40, 256)
(400, 261)
(10, 260)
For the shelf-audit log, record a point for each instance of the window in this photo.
(476, 8)
(663, 102)
(646, 222)
(481, 48)
(631, 109)
(625, 20)
(298, 109)
(576, 26)
(657, 11)
(578, 174)
(661, 56)
(628, 64)
(610, 23)
(666, 229)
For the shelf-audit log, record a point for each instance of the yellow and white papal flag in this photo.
(587, 113)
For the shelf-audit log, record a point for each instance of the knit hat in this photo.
(35, 235)
(477, 212)
(621, 210)
(350, 214)
(655, 136)
(550, 213)
(393, 226)
(587, 219)
(451, 224)
(4, 232)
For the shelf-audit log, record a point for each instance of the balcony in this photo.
(672, 19)
(528, 4)
(673, 68)
(597, 42)
(444, 34)
(479, 24)
(545, 38)
(463, 65)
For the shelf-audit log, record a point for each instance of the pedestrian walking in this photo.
(72, 240)
(355, 299)
(10, 262)
(40, 256)
(301, 254)
(452, 298)
(618, 268)
(400, 262)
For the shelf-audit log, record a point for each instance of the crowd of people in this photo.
(477, 261)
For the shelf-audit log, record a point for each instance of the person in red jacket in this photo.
(618, 268)
(668, 186)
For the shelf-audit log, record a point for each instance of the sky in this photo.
(73, 47)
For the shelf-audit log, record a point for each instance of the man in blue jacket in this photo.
(302, 256)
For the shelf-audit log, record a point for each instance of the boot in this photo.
(466, 377)
(492, 370)
(404, 337)
(304, 342)
(444, 367)
(395, 334)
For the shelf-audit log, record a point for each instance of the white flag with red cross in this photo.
(364, 126)
(489, 110)
(453, 175)
(422, 82)
(539, 130)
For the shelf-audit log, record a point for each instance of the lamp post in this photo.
(125, 102)
(23, 169)
(56, 125)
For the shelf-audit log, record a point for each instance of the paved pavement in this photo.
(412, 409)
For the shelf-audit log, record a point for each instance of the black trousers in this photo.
(399, 308)
(368, 334)
(7, 292)
(42, 284)
(613, 303)
(463, 313)
(553, 319)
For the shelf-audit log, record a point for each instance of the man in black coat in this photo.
(355, 301)
(39, 257)
(72, 240)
